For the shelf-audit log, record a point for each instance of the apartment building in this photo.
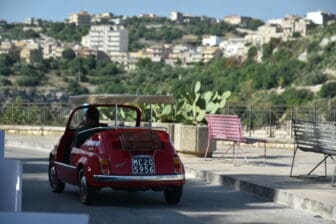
(265, 33)
(29, 55)
(33, 21)
(7, 47)
(52, 49)
(148, 15)
(176, 16)
(105, 17)
(80, 19)
(193, 55)
(210, 53)
(107, 38)
(320, 17)
(294, 24)
(211, 40)
(234, 47)
(236, 20)
(180, 17)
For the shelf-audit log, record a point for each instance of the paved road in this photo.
(201, 202)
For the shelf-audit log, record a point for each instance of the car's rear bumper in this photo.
(153, 178)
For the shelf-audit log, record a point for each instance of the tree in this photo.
(328, 90)
(68, 54)
(73, 88)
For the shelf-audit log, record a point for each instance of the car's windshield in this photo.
(108, 116)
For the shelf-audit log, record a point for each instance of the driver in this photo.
(91, 119)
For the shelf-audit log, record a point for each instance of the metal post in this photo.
(2, 143)
(116, 115)
(151, 115)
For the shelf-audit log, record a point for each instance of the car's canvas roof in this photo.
(120, 99)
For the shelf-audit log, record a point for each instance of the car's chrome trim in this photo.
(65, 165)
(117, 178)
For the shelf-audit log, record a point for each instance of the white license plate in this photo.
(143, 165)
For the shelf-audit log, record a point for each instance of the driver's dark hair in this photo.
(93, 114)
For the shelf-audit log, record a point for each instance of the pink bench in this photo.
(228, 128)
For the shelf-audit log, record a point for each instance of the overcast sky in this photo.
(58, 10)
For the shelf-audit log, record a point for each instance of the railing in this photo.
(270, 119)
(54, 114)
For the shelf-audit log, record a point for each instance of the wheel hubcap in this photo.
(52, 176)
(83, 188)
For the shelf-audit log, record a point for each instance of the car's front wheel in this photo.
(86, 192)
(55, 184)
(173, 194)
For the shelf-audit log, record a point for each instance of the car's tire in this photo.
(86, 192)
(55, 184)
(173, 194)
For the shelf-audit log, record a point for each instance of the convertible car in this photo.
(118, 152)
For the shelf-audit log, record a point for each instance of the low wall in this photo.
(32, 130)
(186, 138)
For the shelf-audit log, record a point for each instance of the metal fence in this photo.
(271, 119)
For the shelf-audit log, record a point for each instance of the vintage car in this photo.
(119, 152)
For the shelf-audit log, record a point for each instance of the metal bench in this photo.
(228, 128)
(318, 137)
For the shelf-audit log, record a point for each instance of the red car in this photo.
(116, 152)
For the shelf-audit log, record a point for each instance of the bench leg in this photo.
(231, 147)
(323, 160)
(333, 184)
(325, 166)
(294, 154)
(241, 152)
(207, 149)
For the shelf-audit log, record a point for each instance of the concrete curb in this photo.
(279, 196)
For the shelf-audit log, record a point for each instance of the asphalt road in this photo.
(201, 202)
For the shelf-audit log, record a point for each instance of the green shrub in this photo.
(328, 90)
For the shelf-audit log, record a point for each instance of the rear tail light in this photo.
(177, 165)
(104, 166)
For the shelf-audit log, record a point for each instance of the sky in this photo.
(58, 10)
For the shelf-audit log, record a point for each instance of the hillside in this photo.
(300, 71)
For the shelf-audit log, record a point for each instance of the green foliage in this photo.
(73, 88)
(296, 34)
(28, 81)
(328, 90)
(65, 32)
(315, 78)
(252, 24)
(269, 47)
(5, 64)
(30, 75)
(192, 106)
(17, 113)
(68, 54)
(167, 34)
(296, 97)
(15, 32)
(252, 52)
(4, 81)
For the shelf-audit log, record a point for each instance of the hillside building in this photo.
(320, 17)
(176, 16)
(211, 40)
(82, 18)
(236, 20)
(110, 39)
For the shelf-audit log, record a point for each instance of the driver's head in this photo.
(92, 114)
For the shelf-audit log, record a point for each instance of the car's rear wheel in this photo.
(55, 184)
(86, 192)
(173, 194)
